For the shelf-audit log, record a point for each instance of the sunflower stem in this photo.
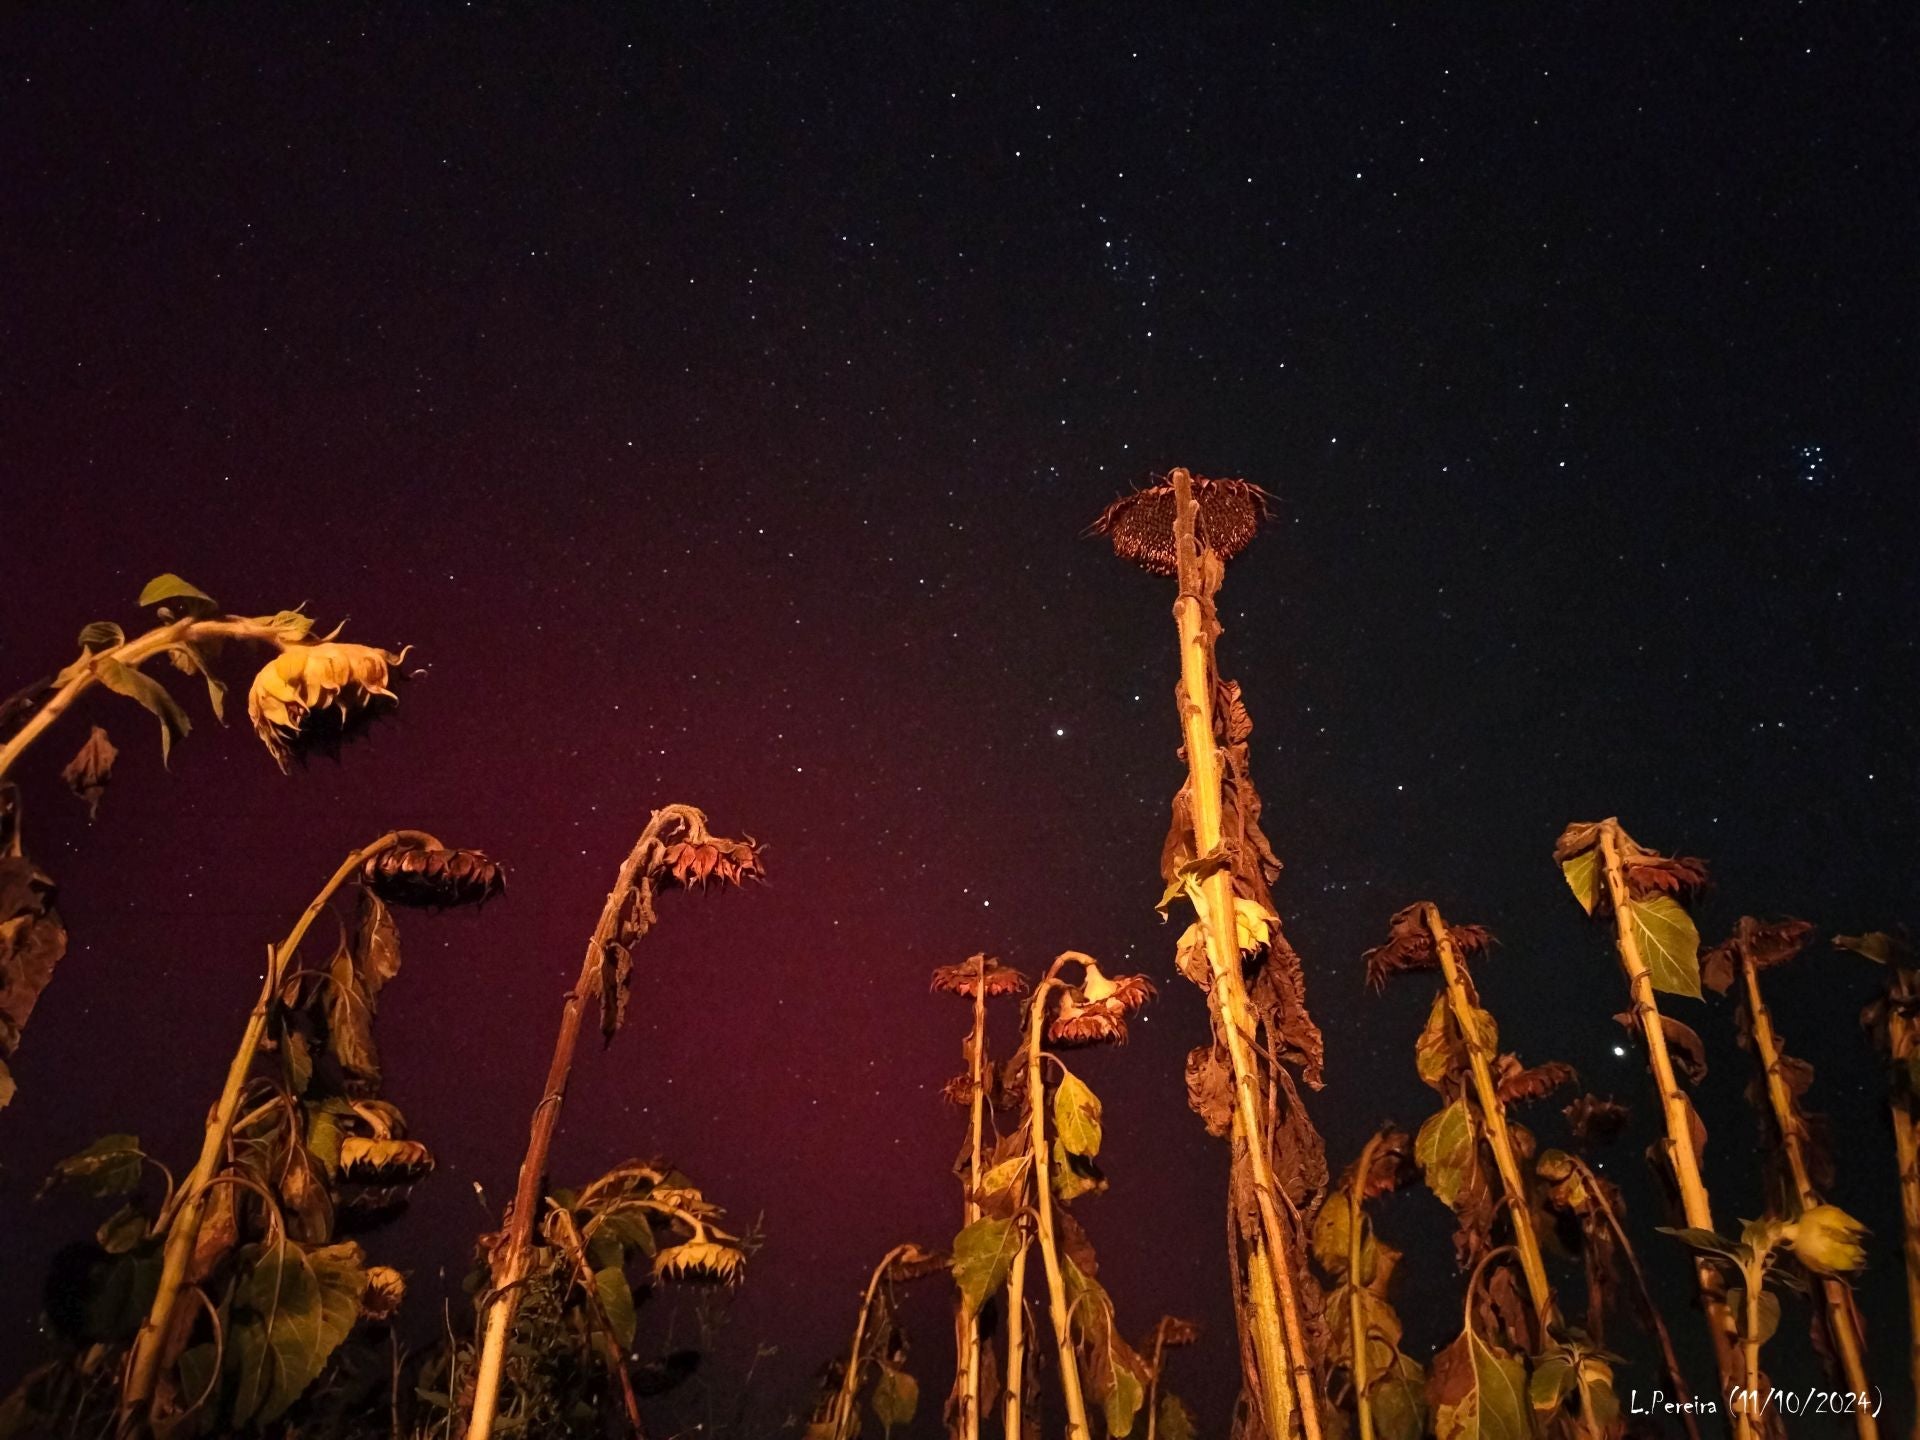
(1042, 1171)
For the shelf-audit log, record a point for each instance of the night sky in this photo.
(718, 400)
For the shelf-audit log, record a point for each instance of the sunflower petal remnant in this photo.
(305, 684)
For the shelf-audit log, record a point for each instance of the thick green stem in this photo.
(1077, 1427)
(846, 1400)
(183, 1231)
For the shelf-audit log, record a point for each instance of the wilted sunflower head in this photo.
(384, 1162)
(958, 1092)
(701, 1261)
(1095, 1011)
(977, 973)
(425, 875)
(1140, 525)
(1827, 1239)
(692, 863)
(305, 685)
(386, 1288)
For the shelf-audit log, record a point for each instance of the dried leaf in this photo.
(1514, 1085)
(1594, 1119)
(32, 942)
(90, 769)
(1210, 1088)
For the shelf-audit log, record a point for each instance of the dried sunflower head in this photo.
(692, 863)
(424, 875)
(384, 1162)
(958, 1092)
(1140, 525)
(979, 972)
(700, 1261)
(386, 1288)
(304, 684)
(1095, 1011)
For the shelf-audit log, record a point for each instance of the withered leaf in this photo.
(1210, 1088)
(1594, 1119)
(1684, 1044)
(1514, 1083)
(91, 768)
(32, 942)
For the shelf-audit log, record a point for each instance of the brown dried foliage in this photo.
(693, 862)
(1409, 945)
(1514, 1083)
(969, 976)
(1594, 1120)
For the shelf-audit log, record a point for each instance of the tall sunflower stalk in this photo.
(1756, 946)
(875, 1352)
(1892, 1018)
(975, 979)
(1218, 858)
(675, 849)
(404, 866)
(1659, 951)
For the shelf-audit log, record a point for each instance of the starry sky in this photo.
(717, 398)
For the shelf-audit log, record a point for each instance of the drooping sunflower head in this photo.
(977, 973)
(1095, 1011)
(1140, 525)
(368, 1161)
(314, 693)
(431, 877)
(693, 862)
(701, 1260)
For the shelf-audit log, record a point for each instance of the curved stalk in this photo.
(846, 1401)
(84, 673)
(1494, 1113)
(602, 1322)
(510, 1269)
(1077, 1427)
(1286, 1379)
(183, 1230)
(1683, 1393)
(1682, 1160)
(1843, 1320)
(1357, 1332)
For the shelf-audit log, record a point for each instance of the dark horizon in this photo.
(719, 405)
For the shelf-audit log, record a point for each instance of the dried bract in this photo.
(692, 863)
(1410, 945)
(1140, 525)
(306, 682)
(421, 875)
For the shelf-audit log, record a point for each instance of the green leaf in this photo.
(102, 635)
(1669, 944)
(191, 660)
(198, 1368)
(1704, 1240)
(1398, 1397)
(982, 1255)
(324, 1133)
(292, 1308)
(106, 1169)
(1769, 1308)
(1583, 878)
(122, 1230)
(896, 1395)
(152, 695)
(194, 600)
(1435, 1053)
(1445, 1150)
(1076, 1116)
(616, 1298)
(1004, 1176)
(1552, 1379)
(1176, 1420)
(1480, 1393)
(296, 1057)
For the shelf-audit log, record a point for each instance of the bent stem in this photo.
(189, 1201)
(1668, 1357)
(1682, 1161)
(1494, 1113)
(86, 672)
(1077, 1427)
(510, 1268)
(1843, 1320)
(1286, 1379)
(847, 1399)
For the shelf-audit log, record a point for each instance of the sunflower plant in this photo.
(313, 691)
